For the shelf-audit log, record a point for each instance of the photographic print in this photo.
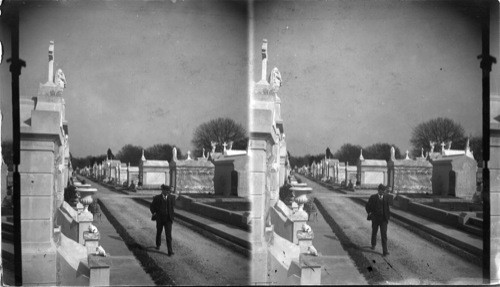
(238, 142)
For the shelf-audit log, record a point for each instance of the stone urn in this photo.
(86, 201)
(301, 200)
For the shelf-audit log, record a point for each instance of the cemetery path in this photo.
(197, 260)
(412, 259)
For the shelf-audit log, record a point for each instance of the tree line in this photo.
(220, 131)
(129, 154)
(348, 153)
(436, 130)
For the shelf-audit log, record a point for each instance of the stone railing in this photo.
(74, 226)
(99, 270)
(290, 225)
(73, 223)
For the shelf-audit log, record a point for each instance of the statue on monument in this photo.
(275, 79)
(432, 144)
(174, 153)
(214, 145)
(60, 79)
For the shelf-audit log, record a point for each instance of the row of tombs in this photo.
(54, 235)
(216, 173)
(60, 244)
(446, 173)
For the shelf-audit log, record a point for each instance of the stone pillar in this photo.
(91, 241)
(40, 145)
(99, 270)
(310, 270)
(304, 240)
(264, 61)
(282, 162)
(128, 174)
(260, 204)
(264, 161)
(337, 165)
(173, 171)
(117, 175)
(298, 219)
(51, 63)
(84, 220)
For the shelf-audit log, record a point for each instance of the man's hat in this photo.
(381, 187)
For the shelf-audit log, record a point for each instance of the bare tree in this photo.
(220, 130)
(437, 130)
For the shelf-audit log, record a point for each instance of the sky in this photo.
(138, 72)
(364, 72)
(353, 71)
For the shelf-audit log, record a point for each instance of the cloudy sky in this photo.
(363, 72)
(138, 72)
(354, 71)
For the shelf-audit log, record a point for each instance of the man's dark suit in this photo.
(164, 210)
(380, 210)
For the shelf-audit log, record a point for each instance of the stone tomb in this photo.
(122, 174)
(132, 175)
(230, 175)
(191, 176)
(341, 174)
(154, 173)
(454, 175)
(409, 176)
(371, 172)
(347, 172)
(109, 167)
(332, 169)
(313, 170)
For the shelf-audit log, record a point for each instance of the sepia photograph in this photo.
(250, 142)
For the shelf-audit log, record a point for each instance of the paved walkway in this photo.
(337, 266)
(467, 245)
(413, 259)
(125, 268)
(198, 260)
(226, 234)
(236, 235)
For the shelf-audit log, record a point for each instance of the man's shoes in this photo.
(158, 247)
(373, 247)
(170, 253)
(386, 253)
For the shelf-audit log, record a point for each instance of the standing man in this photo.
(162, 209)
(379, 213)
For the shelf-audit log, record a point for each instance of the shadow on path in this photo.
(354, 251)
(140, 252)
